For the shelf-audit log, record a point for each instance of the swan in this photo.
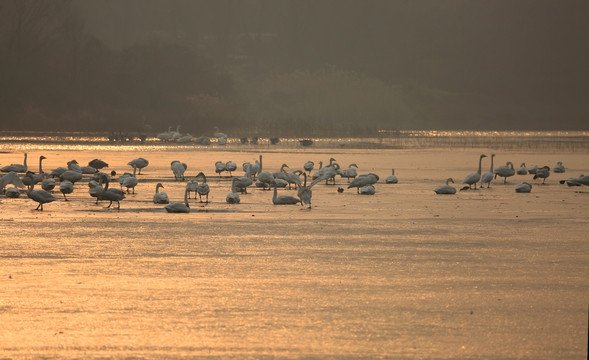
(160, 197)
(522, 169)
(255, 169)
(505, 171)
(40, 196)
(18, 168)
(487, 177)
(186, 138)
(350, 172)
(166, 135)
(97, 164)
(140, 163)
(131, 181)
(221, 140)
(542, 173)
(559, 167)
(66, 187)
(523, 187)
(192, 186)
(203, 188)
(95, 189)
(308, 166)
(304, 192)
(281, 174)
(244, 181)
(111, 194)
(230, 166)
(48, 184)
(265, 177)
(445, 189)
(178, 168)
(71, 175)
(88, 170)
(532, 170)
(74, 166)
(367, 190)
(283, 199)
(294, 177)
(179, 207)
(233, 196)
(363, 180)
(220, 167)
(391, 179)
(11, 178)
(473, 178)
(12, 192)
(175, 135)
(41, 175)
(57, 172)
(218, 134)
(321, 171)
(583, 179)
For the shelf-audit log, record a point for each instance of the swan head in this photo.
(483, 155)
(42, 157)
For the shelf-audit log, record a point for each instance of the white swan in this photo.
(367, 190)
(160, 197)
(139, 162)
(523, 187)
(505, 171)
(66, 187)
(203, 188)
(265, 177)
(391, 179)
(473, 178)
(487, 177)
(179, 207)
(308, 166)
(244, 181)
(542, 173)
(522, 169)
(559, 167)
(40, 196)
(192, 186)
(178, 169)
(230, 166)
(48, 184)
(283, 199)
(350, 172)
(71, 175)
(16, 167)
(446, 189)
(233, 196)
(304, 192)
(220, 167)
(95, 189)
(166, 135)
(12, 192)
(74, 166)
(11, 178)
(97, 164)
(111, 194)
(363, 180)
(131, 181)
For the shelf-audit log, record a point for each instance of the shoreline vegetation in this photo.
(576, 141)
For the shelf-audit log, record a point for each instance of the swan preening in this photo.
(305, 193)
(542, 173)
(233, 196)
(446, 189)
(140, 163)
(363, 180)
(178, 168)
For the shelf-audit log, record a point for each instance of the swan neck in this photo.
(480, 163)
(186, 197)
(40, 165)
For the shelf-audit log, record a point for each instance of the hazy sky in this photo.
(448, 64)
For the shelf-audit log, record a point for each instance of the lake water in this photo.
(404, 273)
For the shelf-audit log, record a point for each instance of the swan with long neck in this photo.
(203, 188)
(179, 207)
(18, 168)
(131, 181)
(283, 199)
(160, 197)
(505, 171)
(391, 179)
(112, 194)
(304, 192)
(473, 178)
(446, 189)
(265, 177)
(40, 196)
(488, 176)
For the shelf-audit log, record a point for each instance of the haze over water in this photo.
(404, 273)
